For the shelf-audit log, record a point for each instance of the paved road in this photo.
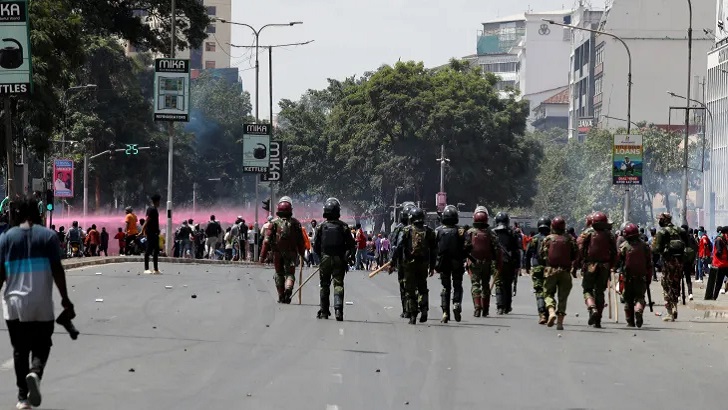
(233, 347)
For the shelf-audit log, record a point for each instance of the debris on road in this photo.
(379, 371)
(168, 287)
(100, 300)
(132, 370)
(349, 303)
(194, 296)
(99, 273)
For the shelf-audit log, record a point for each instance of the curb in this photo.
(81, 263)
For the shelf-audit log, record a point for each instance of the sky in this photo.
(352, 37)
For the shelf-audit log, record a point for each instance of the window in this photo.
(211, 10)
(500, 67)
(210, 46)
(211, 29)
(209, 64)
(599, 58)
(598, 85)
(503, 85)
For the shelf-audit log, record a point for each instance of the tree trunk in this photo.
(667, 202)
(379, 219)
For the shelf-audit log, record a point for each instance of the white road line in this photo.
(8, 365)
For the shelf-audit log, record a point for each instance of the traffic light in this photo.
(49, 199)
(266, 205)
(132, 149)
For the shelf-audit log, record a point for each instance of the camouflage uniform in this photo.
(333, 261)
(537, 272)
(395, 238)
(481, 270)
(416, 269)
(636, 278)
(672, 267)
(596, 271)
(557, 278)
(286, 253)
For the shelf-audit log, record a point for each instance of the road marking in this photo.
(6, 366)
(332, 407)
(338, 378)
(341, 332)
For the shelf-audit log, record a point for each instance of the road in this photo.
(149, 347)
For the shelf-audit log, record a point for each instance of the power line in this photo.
(275, 46)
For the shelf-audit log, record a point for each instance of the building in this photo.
(509, 46)
(553, 112)
(215, 50)
(656, 33)
(715, 179)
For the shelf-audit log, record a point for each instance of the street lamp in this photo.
(712, 123)
(256, 33)
(629, 89)
(619, 119)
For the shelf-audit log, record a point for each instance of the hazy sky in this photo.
(352, 37)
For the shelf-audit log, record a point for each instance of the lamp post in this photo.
(256, 34)
(629, 90)
(687, 118)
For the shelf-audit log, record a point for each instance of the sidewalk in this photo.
(698, 307)
(74, 263)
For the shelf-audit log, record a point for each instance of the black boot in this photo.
(413, 319)
(324, 312)
(339, 314)
(445, 305)
(339, 307)
(457, 310)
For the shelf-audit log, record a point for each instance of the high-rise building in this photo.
(215, 50)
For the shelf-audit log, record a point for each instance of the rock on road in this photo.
(234, 347)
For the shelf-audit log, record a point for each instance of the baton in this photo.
(305, 282)
(386, 265)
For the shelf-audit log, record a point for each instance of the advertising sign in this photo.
(275, 168)
(441, 201)
(15, 63)
(63, 178)
(256, 148)
(171, 89)
(627, 160)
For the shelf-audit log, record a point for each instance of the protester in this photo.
(151, 231)
(30, 261)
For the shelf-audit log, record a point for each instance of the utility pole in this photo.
(270, 106)
(443, 162)
(686, 141)
(170, 155)
(7, 108)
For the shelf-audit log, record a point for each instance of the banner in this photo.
(63, 178)
(171, 89)
(256, 148)
(276, 163)
(16, 71)
(627, 160)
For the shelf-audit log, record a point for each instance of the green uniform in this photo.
(557, 279)
(284, 237)
(636, 274)
(417, 252)
(537, 271)
(333, 242)
(596, 269)
(481, 270)
(668, 244)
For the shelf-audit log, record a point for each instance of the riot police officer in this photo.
(511, 247)
(450, 262)
(484, 257)
(537, 269)
(395, 239)
(336, 246)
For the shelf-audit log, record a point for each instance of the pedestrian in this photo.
(510, 242)
(336, 246)
(537, 268)
(418, 253)
(558, 253)
(450, 262)
(384, 247)
(361, 248)
(212, 232)
(93, 240)
(104, 244)
(130, 222)
(484, 259)
(228, 241)
(394, 265)
(184, 236)
(284, 240)
(669, 245)
(691, 255)
(720, 262)
(306, 244)
(151, 230)
(122, 242)
(705, 251)
(635, 264)
(597, 255)
(30, 262)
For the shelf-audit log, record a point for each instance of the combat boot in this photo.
(598, 320)
(674, 313)
(288, 292)
(638, 315)
(560, 321)
(629, 316)
(339, 307)
(486, 304)
(592, 307)
(445, 305)
(542, 318)
(281, 293)
(339, 314)
(552, 316)
(541, 305)
(413, 319)
(457, 310)
(445, 317)
(423, 316)
(478, 303)
(669, 317)
(323, 314)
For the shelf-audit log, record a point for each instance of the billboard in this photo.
(276, 163)
(16, 71)
(627, 160)
(171, 89)
(256, 148)
(63, 178)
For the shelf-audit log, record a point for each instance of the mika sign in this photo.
(16, 70)
(627, 157)
(171, 89)
(256, 148)
(275, 169)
